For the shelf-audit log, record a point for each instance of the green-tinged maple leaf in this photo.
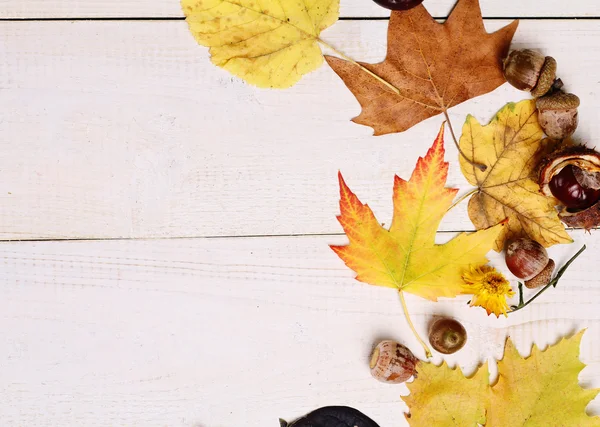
(405, 257)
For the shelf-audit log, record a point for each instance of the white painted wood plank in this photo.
(348, 8)
(232, 332)
(125, 129)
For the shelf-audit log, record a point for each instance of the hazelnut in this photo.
(558, 114)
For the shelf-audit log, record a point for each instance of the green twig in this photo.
(552, 283)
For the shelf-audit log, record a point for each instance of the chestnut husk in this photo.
(585, 159)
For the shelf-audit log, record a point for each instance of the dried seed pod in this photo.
(393, 363)
(530, 71)
(525, 258)
(447, 335)
(571, 177)
(332, 416)
(558, 114)
(543, 278)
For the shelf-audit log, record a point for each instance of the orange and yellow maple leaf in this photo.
(406, 257)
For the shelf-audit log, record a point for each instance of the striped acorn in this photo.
(392, 363)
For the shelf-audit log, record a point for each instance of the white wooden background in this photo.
(164, 257)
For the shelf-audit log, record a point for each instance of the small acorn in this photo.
(392, 363)
(530, 71)
(447, 335)
(558, 114)
(543, 278)
(526, 258)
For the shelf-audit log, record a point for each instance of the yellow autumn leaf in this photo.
(268, 43)
(541, 390)
(511, 147)
(405, 257)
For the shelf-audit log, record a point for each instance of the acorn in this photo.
(392, 363)
(558, 114)
(447, 335)
(530, 71)
(526, 258)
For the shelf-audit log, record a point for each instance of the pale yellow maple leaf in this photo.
(541, 390)
(268, 43)
(511, 148)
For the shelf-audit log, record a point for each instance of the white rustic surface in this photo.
(231, 332)
(348, 8)
(124, 130)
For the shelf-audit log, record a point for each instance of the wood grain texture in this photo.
(125, 129)
(232, 332)
(348, 8)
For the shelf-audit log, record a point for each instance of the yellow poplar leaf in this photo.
(540, 390)
(268, 43)
(406, 257)
(511, 147)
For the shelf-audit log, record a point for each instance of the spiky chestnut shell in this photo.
(588, 161)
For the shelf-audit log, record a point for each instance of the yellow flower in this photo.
(489, 287)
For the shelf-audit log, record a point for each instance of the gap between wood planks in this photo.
(350, 18)
(214, 237)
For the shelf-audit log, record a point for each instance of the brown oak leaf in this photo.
(429, 67)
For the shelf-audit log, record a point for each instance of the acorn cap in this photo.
(543, 278)
(547, 77)
(558, 101)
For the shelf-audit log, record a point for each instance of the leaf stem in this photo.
(553, 283)
(410, 323)
(461, 198)
(369, 72)
(479, 166)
